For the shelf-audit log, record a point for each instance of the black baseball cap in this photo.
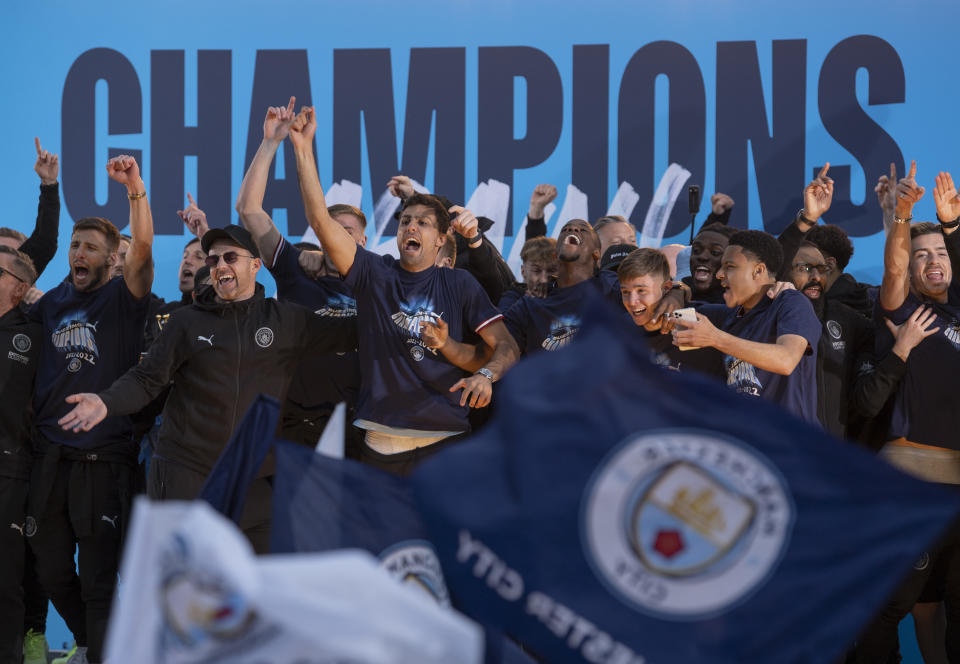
(614, 255)
(232, 233)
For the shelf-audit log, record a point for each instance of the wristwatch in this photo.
(486, 373)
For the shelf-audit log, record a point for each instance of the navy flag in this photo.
(615, 512)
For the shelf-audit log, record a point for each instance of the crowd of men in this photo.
(415, 345)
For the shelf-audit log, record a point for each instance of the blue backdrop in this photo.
(749, 97)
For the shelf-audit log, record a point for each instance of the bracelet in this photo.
(475, 242)
(136, 197)
(950, 224)
(898, 220)
(802, 217)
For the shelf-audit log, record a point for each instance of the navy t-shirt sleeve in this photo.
(365, 265)
(796, 316)
(517, 320)
(478, 311)
(286, 266)
(715, 313)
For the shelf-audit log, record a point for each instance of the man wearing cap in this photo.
(231, 344)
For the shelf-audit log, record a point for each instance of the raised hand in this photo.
(47, 166)
(312, 264)
(778, 288)
(720, 203)
(701, 334)
(194, 218)
(304, 128)
(124, 169)
(818, 195)
(434, 335)
(908, 192)
(886, 189)
(276, 125)
(465, 222)
(946, 198)
(543, 195)
(88, 413)
(401, 186)
(912, 331)
(32, 296)
(477, 390)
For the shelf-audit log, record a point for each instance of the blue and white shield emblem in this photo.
(686, 520)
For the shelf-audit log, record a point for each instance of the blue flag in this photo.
(613, 511)
(229, 481)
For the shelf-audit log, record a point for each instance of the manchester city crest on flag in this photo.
(698, 522)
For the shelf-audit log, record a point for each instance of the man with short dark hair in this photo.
(82, 487)
(18, 368)
(406, 402)
(706, 254)
(852, 386)
(219, 353)
(770, 344)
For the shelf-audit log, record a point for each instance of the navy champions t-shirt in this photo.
(322, 379)
(550, 323)
(405, 385)
(788, 313)
(663, 353)
(89, 340)
(925, 405)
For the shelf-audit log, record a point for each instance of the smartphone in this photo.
(688, 314)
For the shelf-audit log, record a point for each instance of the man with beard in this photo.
(219, 354)
(770, 344)
(706, 254)
(407, 403)
(832, 242)
(644, 277)
(82, 487)
(851, 385)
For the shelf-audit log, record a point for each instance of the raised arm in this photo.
(41, 246)
(948, 212)
(817, 197)
(138, 264)
(276, 127)
(542, 195)
(194, 218)
(334, 238)
(887, 196)
(896, 251)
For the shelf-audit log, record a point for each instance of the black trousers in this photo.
(169, 480)
(13, 509)
(35, 599)
(879, 639)
(82, 513)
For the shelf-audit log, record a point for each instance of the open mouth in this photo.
(186, 274)
(935, 276)
(226, 281)
(572, 239)
(80, 272)
(702, 275)
(411, 244)
(639, 312)
(813, 291)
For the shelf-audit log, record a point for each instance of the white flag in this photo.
(194, 592)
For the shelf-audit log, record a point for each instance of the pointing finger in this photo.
(893, 172)
(823, 171)
(913, 169)
(36, 142)
(190, 198)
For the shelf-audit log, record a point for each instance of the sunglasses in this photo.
(807, 268)
(229, 257)
(3, 272)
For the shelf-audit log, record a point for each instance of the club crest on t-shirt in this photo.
(409, 319)
(338, 306)
(742, 376)
(562, 332)
(952, 333)
(414, 563)
(76, 338)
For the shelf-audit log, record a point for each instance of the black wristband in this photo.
(803, 218)
(950, 224)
